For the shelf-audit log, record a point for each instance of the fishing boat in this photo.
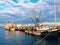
(21, 28)
(10, 27)
(53, 31)
(7, 26)
(45, 30)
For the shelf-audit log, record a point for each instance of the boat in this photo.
(22, 28)
(45, 30)
(50, 33)
(7, 26)
(10, 27)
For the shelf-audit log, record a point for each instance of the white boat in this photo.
(9, 27)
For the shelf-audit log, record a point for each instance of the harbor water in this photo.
(20, 38)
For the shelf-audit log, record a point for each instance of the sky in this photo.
(20, 11)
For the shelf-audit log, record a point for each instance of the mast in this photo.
(40, 13)
(37, 20)
(54, 12)
(32, 19)
(8, 20)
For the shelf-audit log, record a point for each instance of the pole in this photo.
(54, 12)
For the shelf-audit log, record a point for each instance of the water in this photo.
(20, 38)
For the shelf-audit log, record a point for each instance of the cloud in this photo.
(24, 8)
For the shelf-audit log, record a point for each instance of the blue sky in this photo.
(19, 11)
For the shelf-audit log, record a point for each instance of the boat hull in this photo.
(49, 34)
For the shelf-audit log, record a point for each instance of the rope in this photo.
(41, 39)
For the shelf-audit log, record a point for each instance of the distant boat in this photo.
(10, 27)
(7, 26)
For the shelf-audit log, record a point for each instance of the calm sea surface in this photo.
(20, 38)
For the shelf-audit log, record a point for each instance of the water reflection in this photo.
(48, 42)
(20, 38)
